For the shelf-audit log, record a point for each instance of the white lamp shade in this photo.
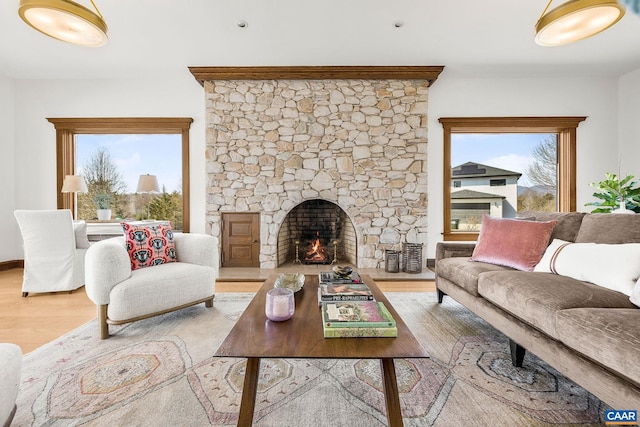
(148, 184)
(74, 184)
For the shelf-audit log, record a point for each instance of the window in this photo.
(457, 184)
(563, 129)
(69, 130)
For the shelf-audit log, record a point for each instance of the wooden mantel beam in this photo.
(429, 73)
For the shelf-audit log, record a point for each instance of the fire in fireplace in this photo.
(318, 253)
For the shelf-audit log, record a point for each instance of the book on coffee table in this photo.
(331, 277)
(360, 332)
(357, 319)
(344, 292)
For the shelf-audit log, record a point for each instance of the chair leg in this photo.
(102, 322)
(517, 353)
(440, 296)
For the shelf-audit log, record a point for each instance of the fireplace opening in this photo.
(317, 232)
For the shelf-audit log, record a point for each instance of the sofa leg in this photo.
(209, 303)
(102, 322)
(440, 296)
(517, 353)
(25, 294)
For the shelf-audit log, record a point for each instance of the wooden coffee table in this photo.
(255, 337)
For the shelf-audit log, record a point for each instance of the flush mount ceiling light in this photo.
(576, 20)
(65, 20)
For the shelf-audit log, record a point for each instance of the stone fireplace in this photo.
(353, 148)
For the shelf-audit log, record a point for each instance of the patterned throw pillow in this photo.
(149, 244)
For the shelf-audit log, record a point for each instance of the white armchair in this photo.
(10, 374)
(52, 262)
(123, 295)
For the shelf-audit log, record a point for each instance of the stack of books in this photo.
(357, 319)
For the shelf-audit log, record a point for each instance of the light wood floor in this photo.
(33, 321)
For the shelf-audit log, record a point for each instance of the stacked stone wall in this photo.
(361, 144)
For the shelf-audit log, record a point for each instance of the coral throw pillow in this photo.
(149, 245)
(512, 243)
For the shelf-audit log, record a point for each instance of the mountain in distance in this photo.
(538, 189)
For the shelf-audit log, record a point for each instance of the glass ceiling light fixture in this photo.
(576, 20)
(65, 20)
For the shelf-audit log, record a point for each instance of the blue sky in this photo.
(136, 155)
(507, 151)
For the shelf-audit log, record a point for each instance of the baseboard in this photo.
(10, 265)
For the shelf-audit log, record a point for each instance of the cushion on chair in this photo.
(149, 245)
(151, 290)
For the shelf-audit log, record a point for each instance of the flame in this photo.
(315, 246)
(317, 252)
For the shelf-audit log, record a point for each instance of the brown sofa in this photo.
(589, 333)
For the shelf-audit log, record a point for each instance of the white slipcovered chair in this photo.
(10, 373)
(124, 295)
(53, 261)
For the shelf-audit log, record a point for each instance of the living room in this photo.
(492, 68)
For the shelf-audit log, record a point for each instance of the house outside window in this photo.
(480, 179)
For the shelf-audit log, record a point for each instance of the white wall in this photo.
(10, 249)
(34, 139)
(629, 140)
(35, 153)
(597, 98)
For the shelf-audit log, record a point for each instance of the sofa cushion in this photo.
(613, 266)
(568, 223)
(609, 228)
(164, 287)
(536, 297)
(464, 272)
(149, 245)
(512, 243)
(610, 337)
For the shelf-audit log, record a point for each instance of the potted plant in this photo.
(616, 195)
(103, 204)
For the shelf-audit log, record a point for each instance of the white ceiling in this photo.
(163, 37)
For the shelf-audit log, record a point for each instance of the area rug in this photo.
(160, 372)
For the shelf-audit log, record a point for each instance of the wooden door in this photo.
(240, 239)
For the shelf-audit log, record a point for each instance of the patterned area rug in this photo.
(159, 372)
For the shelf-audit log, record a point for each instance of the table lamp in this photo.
(148, 184)
(74, 184)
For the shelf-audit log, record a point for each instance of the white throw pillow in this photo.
(544, 266)
(80, 230)
(612, 266)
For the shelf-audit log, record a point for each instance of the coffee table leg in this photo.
(248, 402)
(391, 395)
